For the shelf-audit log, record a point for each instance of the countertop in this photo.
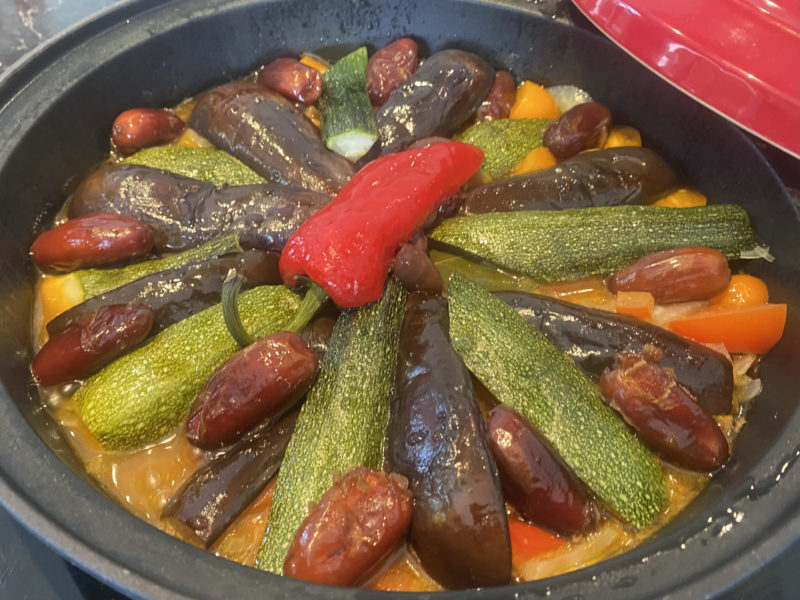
(31, 570)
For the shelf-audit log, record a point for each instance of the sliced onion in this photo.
(758, 252)
(604, 543)
(567, 96)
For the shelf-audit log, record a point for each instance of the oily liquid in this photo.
(144, 480)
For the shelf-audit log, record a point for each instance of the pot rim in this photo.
(56, 533)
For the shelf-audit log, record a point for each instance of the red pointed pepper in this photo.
(347, 247)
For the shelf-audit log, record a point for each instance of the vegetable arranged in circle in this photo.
(540, 342)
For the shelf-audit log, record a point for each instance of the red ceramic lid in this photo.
(740, 58)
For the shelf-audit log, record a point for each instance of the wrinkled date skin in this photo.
(436, 439)
(389, 67)
(259, 382)
(356, 523)
(679, 275)
(139, 128)
(592, 338)
(292, 79)
(93, 240)
(610, 177)
(582, 127)
(219, 491)
(183, 212)
(663, 414)
(271, 136)
(415, 270)
(91, 343)
(498, 103)
(435, 101)
(542, 490)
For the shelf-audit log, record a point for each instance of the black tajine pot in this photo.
(55, 114)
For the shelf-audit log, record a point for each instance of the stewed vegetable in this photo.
(484, 334)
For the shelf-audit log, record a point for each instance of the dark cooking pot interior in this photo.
(55, 115)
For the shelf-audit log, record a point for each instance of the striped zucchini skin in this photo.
(99, 281)
(349, 127)
(574, 243)
(524, 371)
(343, 421)
(505, 142)
(146, 394)
(206, 164)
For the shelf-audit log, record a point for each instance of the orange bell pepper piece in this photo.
(537, 159)
(682, 198)
(528, 541)
(636, 304)
(753, 329)
(743, 291)
(534, 102)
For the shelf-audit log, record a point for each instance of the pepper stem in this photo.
(230, 308)
(314, 299)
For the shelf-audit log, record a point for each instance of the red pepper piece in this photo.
(348, 247)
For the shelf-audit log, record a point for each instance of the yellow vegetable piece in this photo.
(682, 198)
(534, 102)
(59, 293)
(536, 160)
(313, 115)
(184, 110)
(623, 135)
(315, 62)
(191, 139)
(635, 304)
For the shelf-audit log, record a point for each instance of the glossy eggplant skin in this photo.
(592, 338)
(437, 440)
(271, 136)
(184, 212)
(177, 293)
(439, 98)
(611, 177)
(218, 492)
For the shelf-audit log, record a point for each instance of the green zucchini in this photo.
(343, 421)
(505, 142)
(570, 244)
(348, 123)
(206, 164)
(98, 281)
(524, 371)
(144, 395)
(488, 277)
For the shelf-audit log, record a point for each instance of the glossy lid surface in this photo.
(739, 57)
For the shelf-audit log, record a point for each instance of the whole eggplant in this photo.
(184, 212)
(439, 98)
(218, 492)
(177, 293)
(270, 135)
(614, 176)
(437, 440)
(592, 338)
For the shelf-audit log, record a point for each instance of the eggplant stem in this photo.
(314, 299)
(230, 309)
